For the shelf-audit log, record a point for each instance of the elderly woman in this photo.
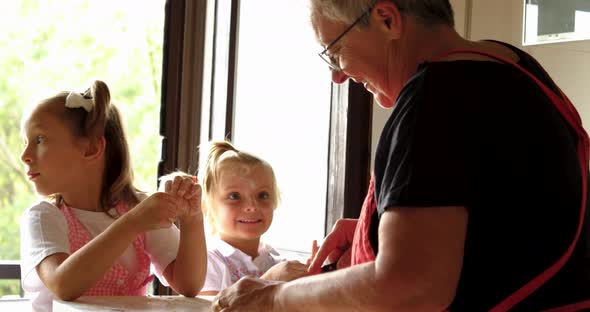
(480, 180)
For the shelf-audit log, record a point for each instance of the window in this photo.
(282, 114)
(556, 20)
(271, 95)
(58, 45)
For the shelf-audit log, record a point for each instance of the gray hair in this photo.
(427, 12)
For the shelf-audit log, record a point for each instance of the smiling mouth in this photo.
(32, 176)
(250, 221)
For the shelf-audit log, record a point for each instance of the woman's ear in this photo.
(95, 148)
(387, 16)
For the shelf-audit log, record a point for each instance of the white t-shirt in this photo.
(222, 258)
(44, 231)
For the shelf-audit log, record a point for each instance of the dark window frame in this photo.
(349, 151)
(182, 89)
(10, 270)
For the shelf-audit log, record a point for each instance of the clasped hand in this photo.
(181, 199)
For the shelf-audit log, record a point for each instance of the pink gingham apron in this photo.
(117, 281)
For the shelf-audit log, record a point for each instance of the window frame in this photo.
(182, 83)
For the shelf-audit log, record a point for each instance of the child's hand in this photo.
(286, 271)
(188, 192)
(155, 212)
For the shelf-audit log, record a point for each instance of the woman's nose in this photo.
(338, 76)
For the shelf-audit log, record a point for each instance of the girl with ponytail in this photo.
(240, 194)
(94, 233)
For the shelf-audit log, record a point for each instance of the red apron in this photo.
(361, 246)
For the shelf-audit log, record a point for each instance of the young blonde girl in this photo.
(95, 234)
(240, 195)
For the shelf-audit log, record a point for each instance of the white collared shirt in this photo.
(226, 264)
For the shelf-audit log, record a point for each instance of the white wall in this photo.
(459, 8)
(567, 63)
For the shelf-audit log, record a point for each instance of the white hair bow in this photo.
(84, 100)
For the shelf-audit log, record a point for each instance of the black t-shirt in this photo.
(484, 136)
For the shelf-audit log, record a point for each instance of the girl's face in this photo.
(52, 155)
(243, 203)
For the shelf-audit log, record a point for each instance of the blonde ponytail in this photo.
(222, 155)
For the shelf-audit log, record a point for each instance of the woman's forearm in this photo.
(357, 288)
(352, 289)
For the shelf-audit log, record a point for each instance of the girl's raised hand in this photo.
(186, 189)
(157, 211)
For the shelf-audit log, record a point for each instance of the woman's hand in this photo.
(345, 259)
(285, 271)
(247, 294)
(336, 245)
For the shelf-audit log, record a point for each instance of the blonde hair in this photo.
(103, 120)
(223, 155)
(428, 12)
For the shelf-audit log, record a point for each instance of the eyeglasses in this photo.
(331, 60)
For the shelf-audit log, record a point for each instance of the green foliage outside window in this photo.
(55, 45)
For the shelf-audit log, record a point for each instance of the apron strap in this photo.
(571, 116)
